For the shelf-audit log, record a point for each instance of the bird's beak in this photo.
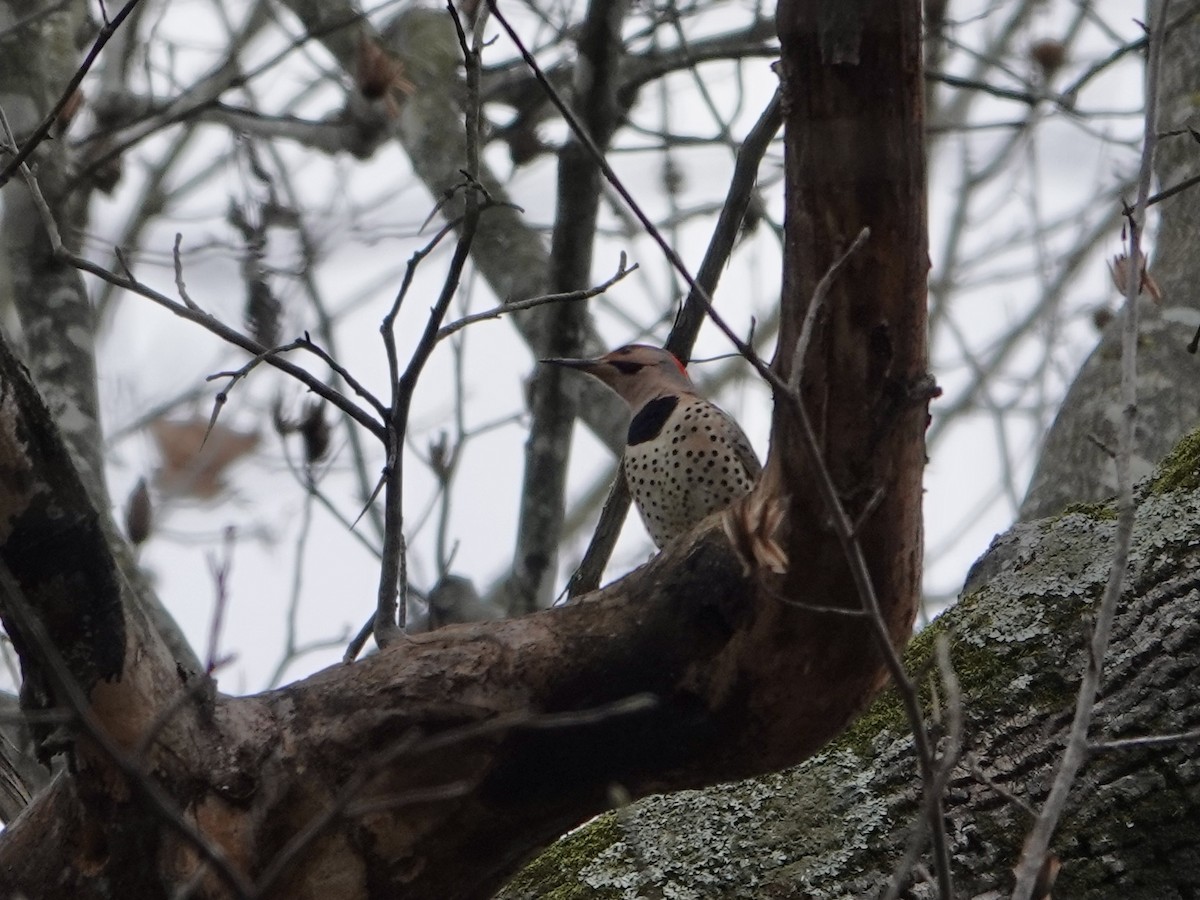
(584, 365)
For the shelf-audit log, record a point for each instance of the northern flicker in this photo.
(685, 458)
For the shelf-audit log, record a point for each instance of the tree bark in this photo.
(435, 768)
(836, 826)
(57, 323)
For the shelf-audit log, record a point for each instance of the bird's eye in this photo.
(626, 368)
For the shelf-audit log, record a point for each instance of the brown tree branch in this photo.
(748, 671)
(690, 629)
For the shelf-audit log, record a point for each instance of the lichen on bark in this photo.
(836, 825)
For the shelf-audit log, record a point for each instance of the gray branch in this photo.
(508, 252)
(1076, 464)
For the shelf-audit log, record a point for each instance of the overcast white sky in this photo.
(365, 217)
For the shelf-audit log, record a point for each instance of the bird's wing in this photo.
(742, 447)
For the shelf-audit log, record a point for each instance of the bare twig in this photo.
(729, 224)
(824, 610)
(231, 336)
(305, 342)
(516, 305)
(816, 302)
(300, 650)
(291, 648)
(177, 258)
(1135, 46)
(359, 640)
(933, 790)
(687, 326)
(1149, 740)
(392, 597)
(983, 778)
(220, 570)
(300, 343)
(68, 94)
(1168, 192)
(436, 794)
(443, 461)
(35, 190)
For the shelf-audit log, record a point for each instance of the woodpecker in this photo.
(685, 458)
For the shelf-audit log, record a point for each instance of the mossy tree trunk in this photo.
(837, 825)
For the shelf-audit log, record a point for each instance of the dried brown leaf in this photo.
(379, 75)
(193, 466)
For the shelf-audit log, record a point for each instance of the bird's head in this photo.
(637, 372)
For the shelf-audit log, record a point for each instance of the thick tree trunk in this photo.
(56, 319)
(1074, 466)
(837, 825)
(474, 743)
